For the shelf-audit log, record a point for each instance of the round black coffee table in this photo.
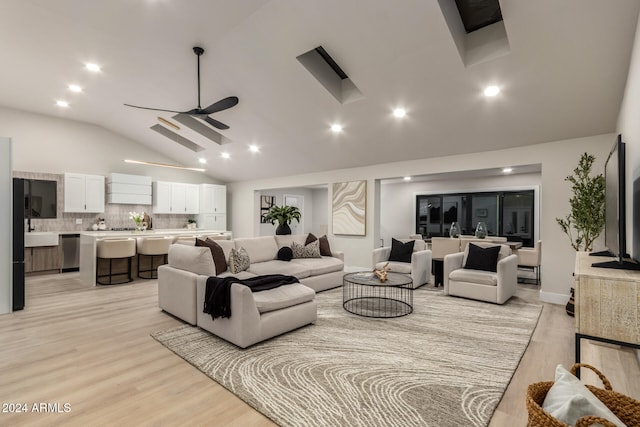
(363, 294)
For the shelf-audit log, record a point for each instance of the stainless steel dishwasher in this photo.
(70, 252)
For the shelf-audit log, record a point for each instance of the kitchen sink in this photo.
(40, 238)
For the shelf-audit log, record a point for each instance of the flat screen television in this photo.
(615, 229)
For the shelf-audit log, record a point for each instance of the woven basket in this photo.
(625, 408)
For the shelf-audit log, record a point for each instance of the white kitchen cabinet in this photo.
(129, 189)
(175, 198)
(192, 198)
(83, 193)
(213, 198)
(211, 221)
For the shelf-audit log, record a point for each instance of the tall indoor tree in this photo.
(586, 220)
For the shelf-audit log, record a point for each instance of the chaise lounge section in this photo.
(255, 316)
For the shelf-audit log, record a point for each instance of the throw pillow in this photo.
(310, 238)
(401, 252)
(216, 252)
(239, 260)
(325, 249)
(480, 258)
(285, 253)
(568, 399)
(312, 250)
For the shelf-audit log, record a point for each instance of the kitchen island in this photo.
(89, 240)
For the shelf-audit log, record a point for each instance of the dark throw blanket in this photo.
(217, 295)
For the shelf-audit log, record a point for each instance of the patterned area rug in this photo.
(446, 364)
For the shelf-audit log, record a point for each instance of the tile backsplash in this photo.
(115, 215)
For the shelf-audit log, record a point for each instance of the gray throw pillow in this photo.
(239, 260)
(312, 250)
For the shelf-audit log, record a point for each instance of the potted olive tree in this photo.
(586, 219)
(283, 215)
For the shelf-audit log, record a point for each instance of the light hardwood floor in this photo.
(91, 348)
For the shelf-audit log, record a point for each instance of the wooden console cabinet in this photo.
(607, 303)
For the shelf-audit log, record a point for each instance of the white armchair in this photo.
(419, 269)
(496, 287)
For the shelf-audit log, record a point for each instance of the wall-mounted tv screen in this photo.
(615, 209)
(40, 198)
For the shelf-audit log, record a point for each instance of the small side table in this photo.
(363, 294)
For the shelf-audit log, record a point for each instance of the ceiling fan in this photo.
(199, 112)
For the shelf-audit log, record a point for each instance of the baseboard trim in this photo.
(553, 298)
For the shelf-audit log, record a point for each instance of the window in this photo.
(506, 213)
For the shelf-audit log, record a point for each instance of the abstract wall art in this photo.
(349, 208)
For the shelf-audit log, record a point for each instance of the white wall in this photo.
(6, 243)
(397, 216)
(558, 159)
(320, 206)
(53, 145)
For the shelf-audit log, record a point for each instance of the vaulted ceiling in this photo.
(562, 76)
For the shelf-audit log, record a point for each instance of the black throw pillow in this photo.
(485, 259)
(285, 253)
(401, 252)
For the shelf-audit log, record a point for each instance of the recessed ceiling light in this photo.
(491, 91)
(202, 160)
(399, 112)
(92, 67)
(225, 155)
(407, 178)
(507, 170)
(62, 104)
(254, 148)
(336, 128)
(75, 88)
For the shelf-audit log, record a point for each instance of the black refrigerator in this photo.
(18, 244)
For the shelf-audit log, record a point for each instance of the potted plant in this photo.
(587, 206)
(283, 215)
(191, 224)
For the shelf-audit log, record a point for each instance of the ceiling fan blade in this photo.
(155, 109)
(214, 122)
(223, 104)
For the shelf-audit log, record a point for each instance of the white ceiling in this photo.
(563, 78)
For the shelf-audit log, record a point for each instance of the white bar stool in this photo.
(152, 247)
(115, 249)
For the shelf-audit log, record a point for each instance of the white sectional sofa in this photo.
(255, 317)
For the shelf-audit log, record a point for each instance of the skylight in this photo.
(477, 14)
